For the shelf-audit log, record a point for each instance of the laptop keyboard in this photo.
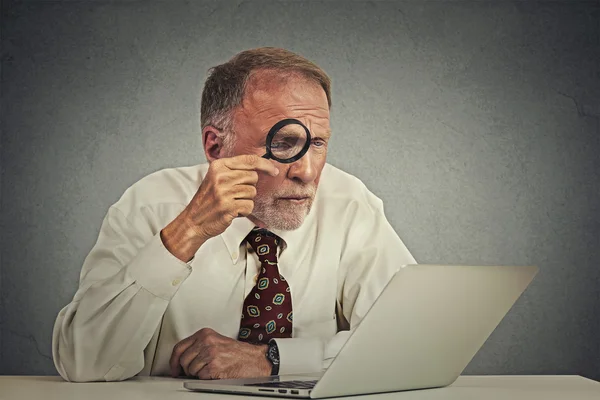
(286, 384)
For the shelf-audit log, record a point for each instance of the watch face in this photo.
(273, 354)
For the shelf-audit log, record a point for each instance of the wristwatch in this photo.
(273, 356)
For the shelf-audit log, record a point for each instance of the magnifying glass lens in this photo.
(288, 141)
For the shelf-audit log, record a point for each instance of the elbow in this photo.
(90, 369)
(73, 371)
(69, 364)
(75, 366)
(76, 363)
(80, 376)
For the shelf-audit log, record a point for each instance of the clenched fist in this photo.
(227, 192)
(209, 355)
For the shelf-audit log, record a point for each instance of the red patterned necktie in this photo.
(267, 310)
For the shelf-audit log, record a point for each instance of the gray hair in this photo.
(226, 84)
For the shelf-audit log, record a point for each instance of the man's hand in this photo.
(209, 355)
(227, 192)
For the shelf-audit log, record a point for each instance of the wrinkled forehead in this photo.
(266, 103)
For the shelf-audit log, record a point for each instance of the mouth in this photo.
(295, 199)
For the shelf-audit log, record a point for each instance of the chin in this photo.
(283, 218)
(283, 224)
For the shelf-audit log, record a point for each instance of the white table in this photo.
(537, 387)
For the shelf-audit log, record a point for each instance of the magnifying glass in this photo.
(287, 141)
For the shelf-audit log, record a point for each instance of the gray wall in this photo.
(477, 123)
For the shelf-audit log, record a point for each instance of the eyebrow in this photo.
(287, 130)
(326, 133)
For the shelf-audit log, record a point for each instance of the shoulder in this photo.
(169, 186)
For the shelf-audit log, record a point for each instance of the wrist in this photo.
(264, 364)
(181, 238)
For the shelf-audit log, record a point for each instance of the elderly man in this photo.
(241, 267)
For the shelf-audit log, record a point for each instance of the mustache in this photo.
(307, 191)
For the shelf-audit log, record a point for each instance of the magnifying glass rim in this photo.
(275, 129)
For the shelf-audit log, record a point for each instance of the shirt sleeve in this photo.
(126, 283)
(373, 253)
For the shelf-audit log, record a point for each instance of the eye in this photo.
(318, 142)
(280, 145)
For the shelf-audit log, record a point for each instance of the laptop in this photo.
(421, 332)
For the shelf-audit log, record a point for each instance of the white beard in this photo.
(282, 214)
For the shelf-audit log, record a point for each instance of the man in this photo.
(240, 267)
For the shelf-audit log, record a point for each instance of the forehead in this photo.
(271, 97)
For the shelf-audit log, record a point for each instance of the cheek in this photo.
(319, 165)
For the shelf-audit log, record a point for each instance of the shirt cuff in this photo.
(300, 355)
(157, 270)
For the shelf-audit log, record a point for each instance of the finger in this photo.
(179, 372)
(243, 207)
(232, 177)
(243, 192)
(197, 365)
(251, 162)
(206, 372)
(178, 350)
(197, 350)
(238, 177)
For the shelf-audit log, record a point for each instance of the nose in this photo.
(304, 169)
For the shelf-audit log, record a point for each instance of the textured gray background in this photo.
(477, 123)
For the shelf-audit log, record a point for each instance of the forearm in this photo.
(102, 334)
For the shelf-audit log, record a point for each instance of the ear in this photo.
(213, 144)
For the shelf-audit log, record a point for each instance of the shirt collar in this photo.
(235, 234)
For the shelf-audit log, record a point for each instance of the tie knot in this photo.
(264, 244)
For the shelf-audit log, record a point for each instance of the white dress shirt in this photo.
(136, 300)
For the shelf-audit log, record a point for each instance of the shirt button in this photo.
(234, 255)
(176, 282)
